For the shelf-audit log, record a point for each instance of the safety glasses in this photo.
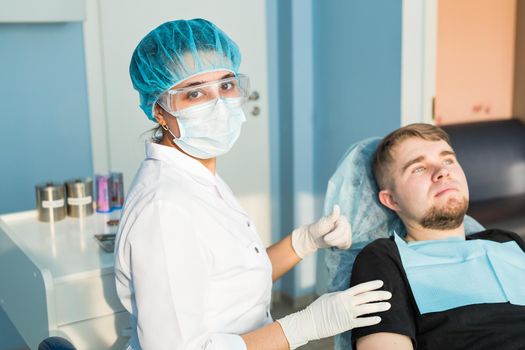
(177, 100)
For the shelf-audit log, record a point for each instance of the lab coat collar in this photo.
(194, 170)
(181, 161)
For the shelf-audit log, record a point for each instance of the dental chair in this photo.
(354, 188)
(55, 343)
(492, 154)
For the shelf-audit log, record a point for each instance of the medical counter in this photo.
(55, 280)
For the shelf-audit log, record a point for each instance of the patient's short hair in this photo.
(383, 155)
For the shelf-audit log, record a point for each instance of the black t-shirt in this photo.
(488, 326)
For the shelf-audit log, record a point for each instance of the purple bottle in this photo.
(103, 190)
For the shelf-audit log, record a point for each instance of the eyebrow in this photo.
(413, 161)
(421, 158)
(229, 75)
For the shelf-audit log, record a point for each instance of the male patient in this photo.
(449, 291)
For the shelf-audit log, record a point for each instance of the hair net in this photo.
(354, 188)
(176, 50)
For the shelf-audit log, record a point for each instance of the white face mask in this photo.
(211, 129)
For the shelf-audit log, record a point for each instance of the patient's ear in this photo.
(387, 199)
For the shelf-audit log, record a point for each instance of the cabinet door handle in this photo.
(254, 96)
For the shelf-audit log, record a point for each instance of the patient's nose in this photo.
(440, 173)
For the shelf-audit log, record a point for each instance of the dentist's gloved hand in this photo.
(330, 231)
(334, 313)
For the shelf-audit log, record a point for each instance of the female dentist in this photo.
(190, 266)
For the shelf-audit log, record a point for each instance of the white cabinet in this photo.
(55, 280)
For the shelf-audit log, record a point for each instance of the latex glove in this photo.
(334, 313)
(330, 231)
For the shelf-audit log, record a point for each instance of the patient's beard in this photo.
(447, 217)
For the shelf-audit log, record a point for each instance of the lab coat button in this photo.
(248, 223)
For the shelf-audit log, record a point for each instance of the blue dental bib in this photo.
(454, 272)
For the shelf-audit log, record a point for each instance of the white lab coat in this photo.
(189, 264)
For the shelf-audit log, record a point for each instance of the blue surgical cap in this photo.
(175, 51)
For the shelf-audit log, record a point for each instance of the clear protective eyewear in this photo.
(177, 100)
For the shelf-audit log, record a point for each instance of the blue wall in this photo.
(285, 129)
(357, 77)
(356, 94)
(357, 83)
(44, 114)
(44, 118)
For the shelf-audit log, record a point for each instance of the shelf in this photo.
(38, 11)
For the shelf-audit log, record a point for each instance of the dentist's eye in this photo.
(227, 86)
(194, 94)
(448, 161)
